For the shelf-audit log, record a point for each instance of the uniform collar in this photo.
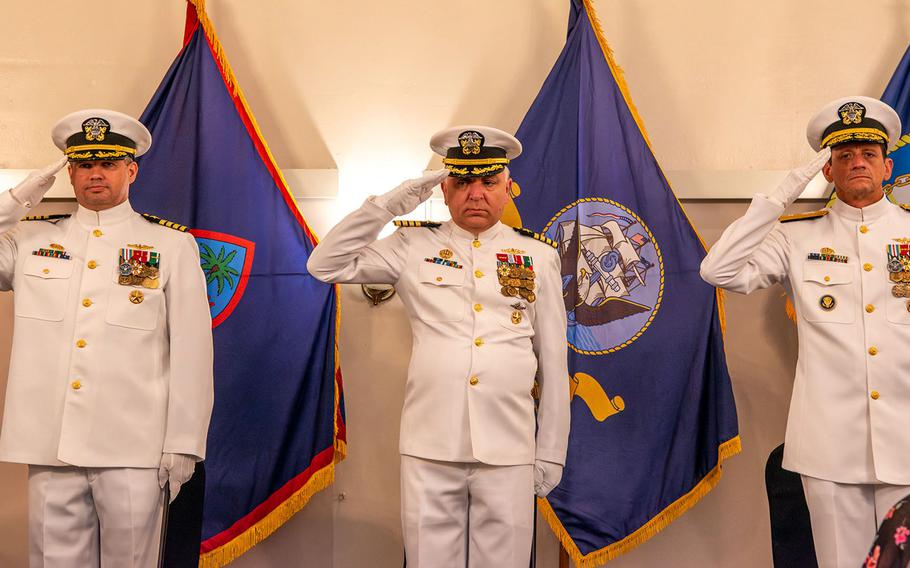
(865, 214)
(115, 214)
(459, 233)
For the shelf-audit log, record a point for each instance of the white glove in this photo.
(176, 469)
(407, 196)
(546, 477)
(797, 180)
(30, 190)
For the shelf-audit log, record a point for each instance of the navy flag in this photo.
(277, 428)
(897, 95)
(653, 415)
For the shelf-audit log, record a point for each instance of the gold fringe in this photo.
(599, 557)
(620, 79)
(236, 91)
(232, 550)
(722, 310)
(790, 309)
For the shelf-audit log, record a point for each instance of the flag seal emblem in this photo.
(612, 274)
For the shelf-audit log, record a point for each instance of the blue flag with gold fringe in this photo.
(277, 427)
(653, 415)
(897, 95)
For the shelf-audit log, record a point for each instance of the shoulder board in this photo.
(803, 216)
(430, 224)
(164, 223)
(51, 218)
(905, 206)
(533, 235)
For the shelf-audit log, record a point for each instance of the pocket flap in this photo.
(440, 275)
(47, 267)
(827, 273)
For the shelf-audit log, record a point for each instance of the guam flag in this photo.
(653, 415)
(277, 428)
(897, 94)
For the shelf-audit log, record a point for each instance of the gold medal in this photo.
(136, 296)
(124, 280)
(512, 291)
(531, 297)
(150, 283)
(514, 272)
(505, 291)
(516, 317)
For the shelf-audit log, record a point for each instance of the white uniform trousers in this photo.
(456, 514)
(845, 518)
(89, 517)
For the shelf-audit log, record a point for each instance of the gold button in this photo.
(478, 274)
(439, 278)
(474, 380)
(76, 385)
(867, 267)
(86, 302)
(80, 344)
(870, 308)
(863, 229)
(478, 342)
(46, 271)
(827, 279)
(475, 244)
(92, 264)
(874, 395)
(97, 232)
(873, 351)
(477, 307)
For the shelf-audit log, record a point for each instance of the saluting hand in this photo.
(798, 178)
(30, 190)
(407, 196)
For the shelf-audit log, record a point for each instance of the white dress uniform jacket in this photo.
(468, 395)
(851, 396)
(96, 380)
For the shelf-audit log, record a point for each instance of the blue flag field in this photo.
(653, 415)
(897, 94)
(278, 426)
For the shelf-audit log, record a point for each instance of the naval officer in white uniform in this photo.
(847, 269)
(110, 384)
(487, 316)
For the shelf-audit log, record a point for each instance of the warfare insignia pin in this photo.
(141, 247)
(513, 251)
(471, 142)
(55, 251)
(827, 302)
(901, 240)
(95, 129)
(851, 113)
(445, 253)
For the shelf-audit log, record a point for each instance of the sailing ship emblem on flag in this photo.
(226, 262)
(612, 274)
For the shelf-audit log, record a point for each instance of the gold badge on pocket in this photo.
(136, 296)
(827, 302)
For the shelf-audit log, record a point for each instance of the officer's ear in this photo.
(132, 169)
(826, 171)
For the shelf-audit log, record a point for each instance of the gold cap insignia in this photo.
(471, 142)
(95, 129)
(851, 113)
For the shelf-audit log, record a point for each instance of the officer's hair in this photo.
(507, 172)
(128, 160)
